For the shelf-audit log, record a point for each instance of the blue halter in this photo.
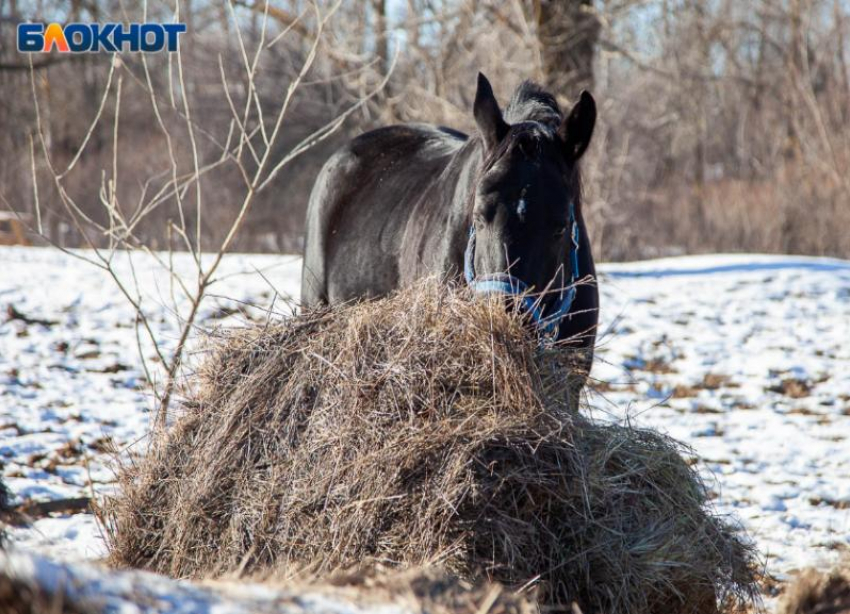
(504, 283)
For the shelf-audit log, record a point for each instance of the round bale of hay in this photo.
(427, 428)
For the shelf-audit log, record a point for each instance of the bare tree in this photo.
(723, 125)
(249, 148)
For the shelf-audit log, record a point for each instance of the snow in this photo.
(745, 358)
(73, 393)
(93, 589)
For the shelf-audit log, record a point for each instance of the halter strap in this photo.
(504, 283)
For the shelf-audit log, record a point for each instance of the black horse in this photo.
(502, 208)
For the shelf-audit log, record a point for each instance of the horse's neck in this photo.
(462, 179)
(436, 231)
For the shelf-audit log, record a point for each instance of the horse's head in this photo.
(526, 196)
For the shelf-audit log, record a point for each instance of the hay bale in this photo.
(817, 592)
(426, 428)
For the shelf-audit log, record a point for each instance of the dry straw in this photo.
(423, 429)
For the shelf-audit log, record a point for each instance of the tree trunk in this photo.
(382, 42)
(568, 32)
(382, 49)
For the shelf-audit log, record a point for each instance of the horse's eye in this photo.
(560, 231)
(484, 215)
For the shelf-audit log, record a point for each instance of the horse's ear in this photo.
(577, 127)
(487, 114)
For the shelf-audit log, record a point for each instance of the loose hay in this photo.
(426, 428)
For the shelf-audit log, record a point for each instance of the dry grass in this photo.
(6, 512)
(799, 210)
(417, 590)
(424, 429)
(93, 591)
(815, 592)
(18, 597)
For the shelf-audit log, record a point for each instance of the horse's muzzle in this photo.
(511, 287)
(508, 285)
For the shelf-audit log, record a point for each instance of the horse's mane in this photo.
(531, 102)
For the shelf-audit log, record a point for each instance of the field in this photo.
(743, 357)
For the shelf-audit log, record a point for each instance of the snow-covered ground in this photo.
(745, 358)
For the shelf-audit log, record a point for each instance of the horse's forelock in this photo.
(515, 136)
(531, 102)
(534, 116)
(527, 136)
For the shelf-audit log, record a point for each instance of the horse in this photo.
(501, 210)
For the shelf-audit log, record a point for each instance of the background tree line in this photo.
(724, 125)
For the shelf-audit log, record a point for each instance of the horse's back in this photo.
(359, 209)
